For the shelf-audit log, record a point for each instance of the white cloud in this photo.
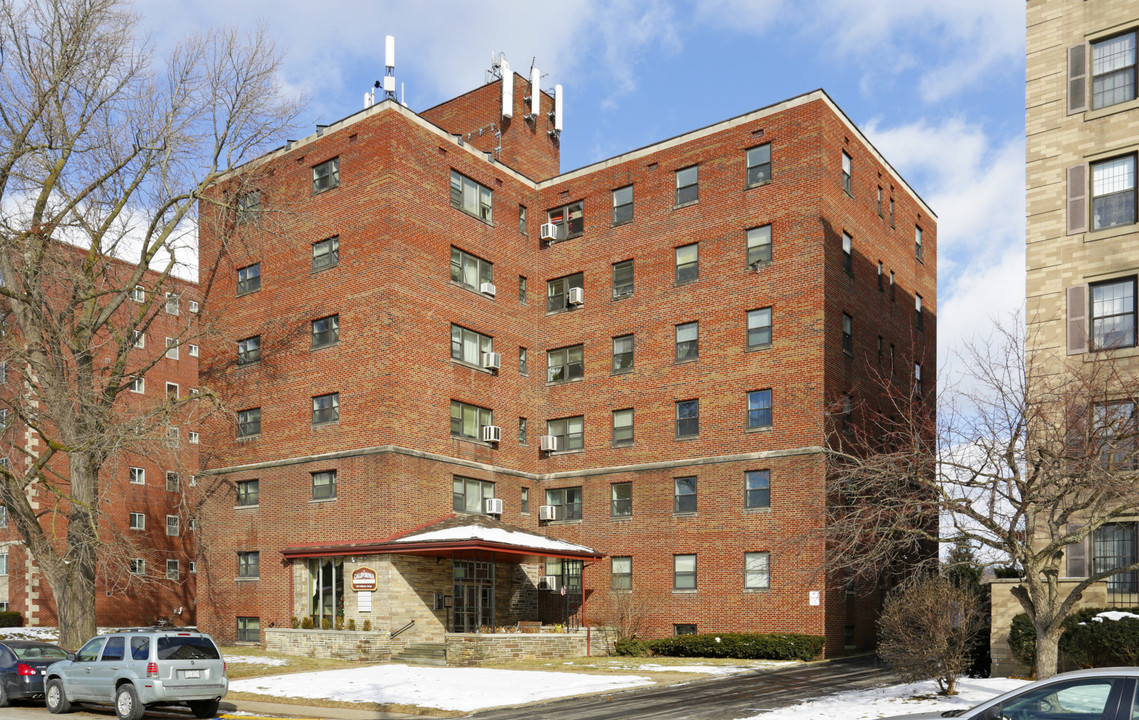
(753, 16)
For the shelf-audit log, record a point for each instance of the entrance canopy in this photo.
(456, 533)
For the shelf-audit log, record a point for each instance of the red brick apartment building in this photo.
(146, 520)
(627, 367)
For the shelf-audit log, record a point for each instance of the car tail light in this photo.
(23, 669)
(152, 670)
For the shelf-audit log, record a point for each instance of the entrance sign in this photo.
(363, 579)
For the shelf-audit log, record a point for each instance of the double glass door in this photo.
(473, 604)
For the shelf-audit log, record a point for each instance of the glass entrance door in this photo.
(473, 605)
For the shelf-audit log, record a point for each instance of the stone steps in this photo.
(423, 654)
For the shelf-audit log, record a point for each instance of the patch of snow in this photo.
(496, 535)
(463, 689)
(1113, 615)
(700, 669)
(254, 660)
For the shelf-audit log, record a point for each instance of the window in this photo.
(522, 289)
(687, 341)
(137, 566)
(847, 334)
(759, 245)
(1113, 70)
(568, 220)
(557, 291)
(621, 499)
(623, 427)
(139, 338)
(137, 476)
(467, 420)
(759, 409)
(683, 572)
(687, 418)
(194, 350)
(757, 489)
(138, 385)
(621, 577)
(326, 331)
(249, 422)
(523, 362)
(684, 494)
(326, 253)
(172, 481)
(684, 628)
(1113, 192)
(917, 379)
(324, 485)
(879, 352)
(917, 313)
(172, 349)
(172, 437)
(138, 294)
(879, 201)
(570, 432)
(470, 271)
(759, 328)
(172, 304)
(248, 492)
(138, 521)
(917, 243)
(622, 279)
(193, 567)
(468, 494)
(891, 212)
(326, 408)
(847, 182)
(566, 503)
(687, 263)
(891, 359)
(249, 279)
(848, 254)
(525, 501)
(468, 346)
(1114, 545)
(173, 570)
(248, 207)
(757, 571)
(758, 165)
(4, 565)
(3, 372)
(248, 629)
(687, 185)
(172, 390)
(893, 295)
(622, 353)
(522, 219)
(249, 350)
(249, 564)
(1114, 434)
(3, 516)
(522, 430)
(880, 276)
(1113, 314)
(471, 197)
(193, 306)
(326, 175)
(173, 525)
(565, 364)
(623, 205)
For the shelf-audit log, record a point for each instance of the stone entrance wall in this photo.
(472, 649)
(339, 644)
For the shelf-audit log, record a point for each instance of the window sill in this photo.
(849, 193)
(563, 310)
(622, 296)
(690, 203)
(682, 283)
(314, 348)
(320, 501)
(1124, 106)
(248, 292)
(473, 291)
(685, 361)
(567, 452)
(242, 366)
(847, 353)
(682, 438)
(248, 438)
(246, 507)
(316, 271)
(324, 190)
(563, 522)
(621, 518)
(756, 591)
(762, 429)
(757, 185)
(1108, 233)
(472, 441)
(757, 510)
(619, 224)
(472, 366)
(318, 425)
(758, 348)
(247, 579)
(564, 382)
(618, 445)
(683, 592)
(692, 514)
(484, 221)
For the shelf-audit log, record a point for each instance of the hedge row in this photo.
(9, 618)
(1086, 643)
(744, 646)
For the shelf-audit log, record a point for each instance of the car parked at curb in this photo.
(1099, 694)
(22, 665)
(139, 668)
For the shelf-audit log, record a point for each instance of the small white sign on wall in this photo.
(364, 601)
(813, 597)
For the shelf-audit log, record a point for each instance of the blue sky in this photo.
(937, 85)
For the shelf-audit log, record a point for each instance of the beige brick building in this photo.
(1082, 234)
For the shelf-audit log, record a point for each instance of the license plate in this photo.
(191, 673)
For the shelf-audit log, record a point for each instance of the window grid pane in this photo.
(759, 409)
(1113, 193)
(759, 327)
(759, 245)
(687, 418)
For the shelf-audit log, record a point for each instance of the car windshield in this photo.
(40, 652)
(187, 648)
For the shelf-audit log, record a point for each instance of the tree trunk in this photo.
(73, 578)
(75, 604)
(1047, 652)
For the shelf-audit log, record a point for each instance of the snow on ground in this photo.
(254, 660)
(893, 700)
(47, 634)
(462, 689)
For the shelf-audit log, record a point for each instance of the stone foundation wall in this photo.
(341, 644)
(467, 649)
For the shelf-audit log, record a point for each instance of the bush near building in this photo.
(742, 646)
(1086, 642)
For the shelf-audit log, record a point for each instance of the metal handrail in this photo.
(402, 630)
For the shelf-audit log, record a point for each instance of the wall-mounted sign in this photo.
(363, 579)
(812, 596)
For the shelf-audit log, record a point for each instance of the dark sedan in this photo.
(22, 665)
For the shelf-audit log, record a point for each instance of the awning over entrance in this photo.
(455, 533)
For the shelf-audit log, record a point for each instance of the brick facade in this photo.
(391, 447)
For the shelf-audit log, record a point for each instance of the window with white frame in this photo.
(172, 481)
(471, 197)
(623, 353)
(1113, 313)
(687, 263)
(326, 408)
(758, 165)
(759, 409)
(847, 174)
(623, 205)
(1113, 192)
(570, 432)
(757, 489)
(468, 495)
(139, 338)
(137, 476)
(192, 567)
(4, 565)
(917, 242)
(326, 253)
(193, 350)
(758, 245)
(173, 569)
(138, 385)
(757, 571)
(326, 175)
(565, 364)
(687, 185)
(687, 342)
(137, 521)
(759, 328)
(1113, 70)
(138, 294)
(684, 494)
(683, 572)
(621, 573)
(468, 346)
(172, 437)
(173, 304)
(137, 566)
(470, 271)
(193, 306)
(172, 390)
(173, 525)
(172, 349)
(623, 427)
(467, 421)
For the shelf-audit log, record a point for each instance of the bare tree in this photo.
(105, 152)
(1022, 463)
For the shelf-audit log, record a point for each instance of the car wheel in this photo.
(203, 709)
(127, 706)
(54, 697)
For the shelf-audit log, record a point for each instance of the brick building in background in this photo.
(490, 392)
(147, 559)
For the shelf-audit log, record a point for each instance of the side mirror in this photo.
(71, 656)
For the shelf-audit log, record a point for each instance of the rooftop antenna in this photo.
(497, 60)
(556, 113)
(534, 99)
(507, 91)
(389, 65)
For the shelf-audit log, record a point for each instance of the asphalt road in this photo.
(727, 698)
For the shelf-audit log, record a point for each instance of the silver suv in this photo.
(140, 667)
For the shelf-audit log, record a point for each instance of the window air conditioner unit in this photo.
(491, 360)
(549, 582)
(491, 433)
(547, 512)
(548, 443)
(488, 289)
(576, 296)
(548, 232)
(493, 506)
